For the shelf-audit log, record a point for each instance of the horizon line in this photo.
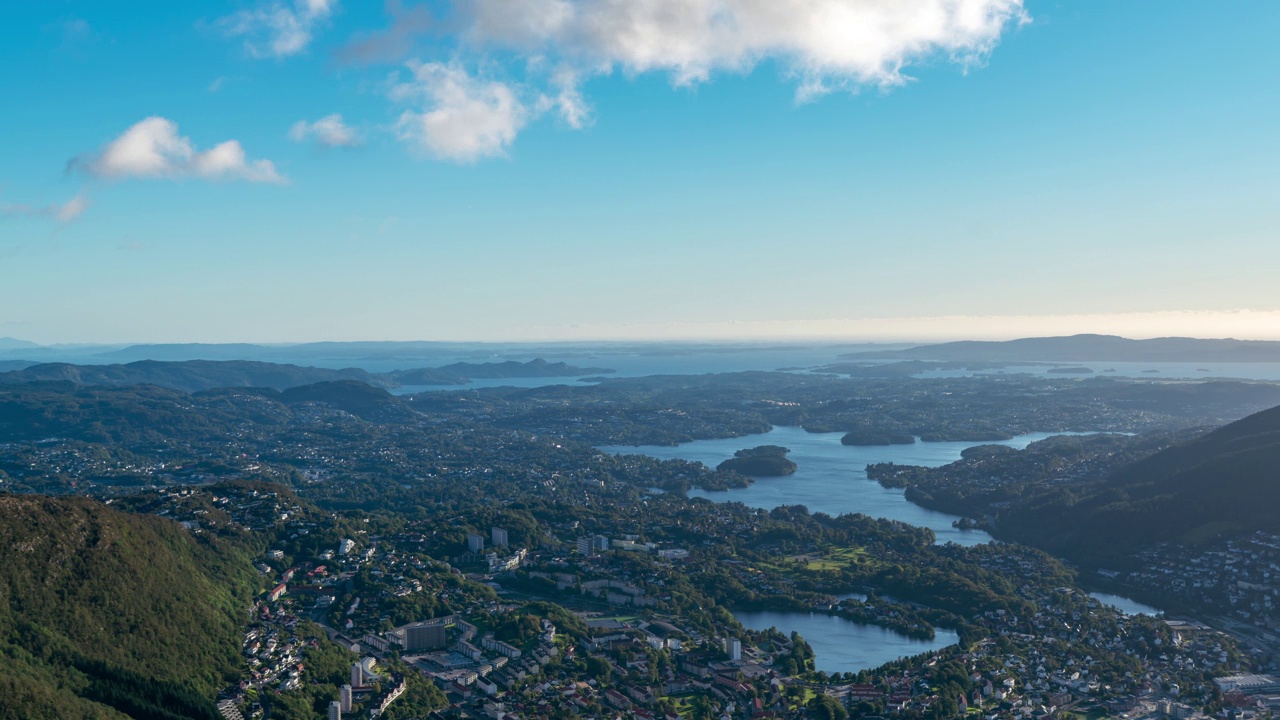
(1243, 325)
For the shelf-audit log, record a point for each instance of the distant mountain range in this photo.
(378, 355)
(189, 376)
(1075, 348)
(8, 343)
(1087, 348)
(197, 375)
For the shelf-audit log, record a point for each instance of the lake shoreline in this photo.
(831, 477)
(834, 474)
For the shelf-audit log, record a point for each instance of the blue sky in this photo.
(1005, 169)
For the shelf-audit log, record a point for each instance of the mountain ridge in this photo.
(198, 375)
(1222, 483)
(13, 343)
(1087, 348)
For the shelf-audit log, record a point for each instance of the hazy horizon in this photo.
(1238, 325)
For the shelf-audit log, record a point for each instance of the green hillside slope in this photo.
(111, 614)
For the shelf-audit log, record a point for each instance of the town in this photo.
(428, 562)
(590, 627)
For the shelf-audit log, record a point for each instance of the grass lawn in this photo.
(684, 703)
(837, 559)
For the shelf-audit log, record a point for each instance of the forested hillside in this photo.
(1222, 483)
(111, 614)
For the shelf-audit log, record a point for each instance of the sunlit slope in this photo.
(110, 613)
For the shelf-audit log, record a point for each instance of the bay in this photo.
(831, 477)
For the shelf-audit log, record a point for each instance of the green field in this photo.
(837, 559)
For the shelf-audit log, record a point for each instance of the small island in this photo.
(986, 452)
(762, 461)
(1071, 370)
(867, 437)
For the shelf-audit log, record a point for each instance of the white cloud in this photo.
(62, 212)
(824, 43)
(329, 131)
(153, 148)
(464, 118)
(821, 45)
(279, 29)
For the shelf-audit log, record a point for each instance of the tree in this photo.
(599, 669)
(825, 707)
(701, 708)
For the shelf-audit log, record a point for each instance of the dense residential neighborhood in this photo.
(494, 645)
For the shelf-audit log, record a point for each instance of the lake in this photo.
(831, 477)
(1124, 604)
(840, 645)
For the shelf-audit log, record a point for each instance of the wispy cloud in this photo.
(329, 131)
(153, 148)
(61, 212)
(75, 30)
(463, 117)
(278, 29)
(564, 95)
(393, 44)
